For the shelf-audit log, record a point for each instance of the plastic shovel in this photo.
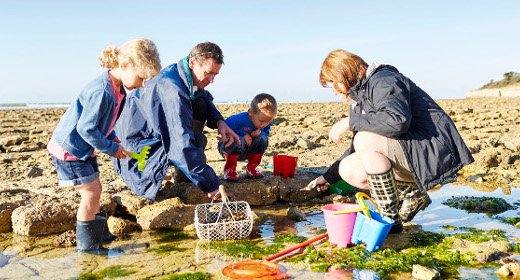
(141, 157)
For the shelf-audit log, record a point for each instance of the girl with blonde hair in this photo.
(88, 124)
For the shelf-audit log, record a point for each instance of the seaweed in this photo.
(165, 249)
(492, 205)
(110, 272)
(428, 249)
(170, 236)
(188, 276)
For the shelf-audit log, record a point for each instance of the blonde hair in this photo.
(264, 103)
(140, 53)
(341, 66)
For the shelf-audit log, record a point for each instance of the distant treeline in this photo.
(510, 78)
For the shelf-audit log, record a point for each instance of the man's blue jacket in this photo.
(160, 115)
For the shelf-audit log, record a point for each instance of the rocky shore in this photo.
(32, 204)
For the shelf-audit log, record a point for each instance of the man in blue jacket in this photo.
(160, 115)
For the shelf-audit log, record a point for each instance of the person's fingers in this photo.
(230, 142)
(322, 188)
(311, 185)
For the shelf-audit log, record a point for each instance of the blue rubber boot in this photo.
(89, 236)
(107, 235)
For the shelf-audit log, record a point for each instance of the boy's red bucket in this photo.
(284, 166)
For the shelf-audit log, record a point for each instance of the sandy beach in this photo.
(490, 128)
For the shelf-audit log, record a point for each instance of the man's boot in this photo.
(253, 160)
(89, 236)
(383, 191)
(230, 168)
(107, 235)
(413, 198)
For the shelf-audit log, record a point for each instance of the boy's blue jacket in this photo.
(242, 125)
(85, 124)
(160, 115)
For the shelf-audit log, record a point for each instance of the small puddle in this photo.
(159, 254)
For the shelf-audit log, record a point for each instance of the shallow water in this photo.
(159, 254)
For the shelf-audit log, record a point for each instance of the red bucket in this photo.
(284, 166)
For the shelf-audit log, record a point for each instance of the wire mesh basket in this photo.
(223, 220)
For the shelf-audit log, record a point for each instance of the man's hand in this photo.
(320, 184)
(248, 140)
(338, 129)
(256, 133)
(121, 152)
(216, 194)
(227, 135)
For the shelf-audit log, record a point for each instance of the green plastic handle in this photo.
(141, 157)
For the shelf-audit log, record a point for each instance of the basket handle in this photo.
(223, 195)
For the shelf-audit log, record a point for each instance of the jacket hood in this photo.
(356, 90)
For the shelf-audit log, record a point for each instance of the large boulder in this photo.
(44, 218)
(170, 213)
(130, 202)
(9, 201)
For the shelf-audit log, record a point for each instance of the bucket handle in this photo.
(360, 196)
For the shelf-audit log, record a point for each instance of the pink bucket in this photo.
(340, 227)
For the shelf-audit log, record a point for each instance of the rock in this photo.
(12, 140)
(9, 201)
(170, 213)
(257, 192)
(295, 214)
(485, 251)
(425, 273)
(120, 226)
(47, 217)
(304, 144)
(292, 189)
(259, 218)
(491, 160)
(512, 144)
(187, 192)
(131, 202)
(66, 239)
(34, 172)
(509, 269)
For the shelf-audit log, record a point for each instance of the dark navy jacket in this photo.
(160, 115)
(391, 105)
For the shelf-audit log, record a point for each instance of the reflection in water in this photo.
(25, 257)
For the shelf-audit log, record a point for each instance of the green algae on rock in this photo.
(188, 276)
(492, 205)
(433, 250)
(110, 272)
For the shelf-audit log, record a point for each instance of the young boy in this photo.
(253, 128)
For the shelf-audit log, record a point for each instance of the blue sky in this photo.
(49, 49)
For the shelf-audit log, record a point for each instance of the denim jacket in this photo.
(160, 115)
(86, 122)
